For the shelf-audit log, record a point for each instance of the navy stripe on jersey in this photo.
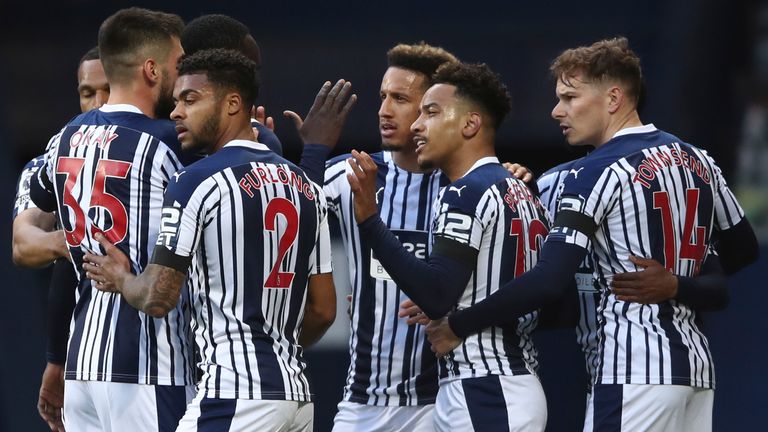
(391, 363)
(498, 216)
(22, 201)
(649, 194)
(255, 229)
(108, 170)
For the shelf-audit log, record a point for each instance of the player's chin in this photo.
(393, 144)
(425, 162)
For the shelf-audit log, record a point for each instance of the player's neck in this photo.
(407, 160)
(621, 121)
(130, 96)
(461, 161)
(240, 131)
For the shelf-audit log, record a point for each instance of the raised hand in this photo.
(327, 115)
(108, 271)
(362, 180)
(441, 337)
(260, 114)
(653, 284)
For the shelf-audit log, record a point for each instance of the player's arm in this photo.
(737, 246)
(154, 292)
(435, 284)
(35, 242)
(322, 127)
(320, 309)
(707, 291)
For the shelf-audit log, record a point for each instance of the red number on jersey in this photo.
(72, 168)
(692, 246)
(281, 206)
(535, 229)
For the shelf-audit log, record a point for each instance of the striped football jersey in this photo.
(550, 185)
(255, 229)
(647, 193)
(391, 362)
(499, 216)
(106, 171)
(22, 201)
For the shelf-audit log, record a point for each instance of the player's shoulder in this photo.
(268, 137)
(131, 121)
(466, 192)
(558, 169)
(337, 166)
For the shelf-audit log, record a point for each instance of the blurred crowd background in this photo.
(705, 64)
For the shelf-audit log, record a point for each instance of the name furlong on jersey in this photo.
(255, 229)
(391, 362)
(648, 194)
(106, 172)
(501, 218)
(550, 186)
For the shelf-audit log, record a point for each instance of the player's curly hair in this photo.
(126, 36)
(479, 84)
(420, 57)
(605, 60)
(213, 31)
(228, 69)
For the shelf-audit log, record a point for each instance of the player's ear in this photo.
(234, 104)
(615, 97)
(151, 70)
(472, 125)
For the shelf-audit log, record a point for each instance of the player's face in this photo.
(582, 110)
(92, 85)
(401, 92)
(197, 114)
(169, 75)
(438, 129)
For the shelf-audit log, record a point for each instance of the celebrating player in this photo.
(643, 193)
(105, 174)
(486, 228)
(392, 378)
(252, 230)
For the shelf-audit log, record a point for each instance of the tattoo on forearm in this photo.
(165, 284)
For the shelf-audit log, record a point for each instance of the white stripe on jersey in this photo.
(248, 334)
(391, 363)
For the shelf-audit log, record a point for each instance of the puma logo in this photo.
(457, 190)
(575, 172)
(177, 175)
(377, 194)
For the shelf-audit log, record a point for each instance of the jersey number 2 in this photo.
(691, 247)
(72, 167)
(281, 206)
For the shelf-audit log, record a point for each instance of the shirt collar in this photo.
(480, 162)
(248, 144)
(120, 108)
(635, 130)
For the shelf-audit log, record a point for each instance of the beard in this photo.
(164, 105)
(204, 141)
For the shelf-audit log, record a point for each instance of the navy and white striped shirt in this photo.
(22, 201)
(255, 229)
(497, 215)
(648, 194)
(106, 172)
(391, 362)
(550, 186)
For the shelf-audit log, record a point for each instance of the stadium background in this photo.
(706, 65)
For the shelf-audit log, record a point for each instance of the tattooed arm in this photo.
(154, 292)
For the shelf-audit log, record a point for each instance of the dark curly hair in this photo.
(605, 60)
(479, 84)
(228, 69)
(420, 57)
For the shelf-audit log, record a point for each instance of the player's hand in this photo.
(441, 337)
(260, 115)
(653, 284)
(518, 171)
(362, 181)
(327, 115)
(62, 248)
(349, 306)
(414, 313)
(108, 271)
(51, 399)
